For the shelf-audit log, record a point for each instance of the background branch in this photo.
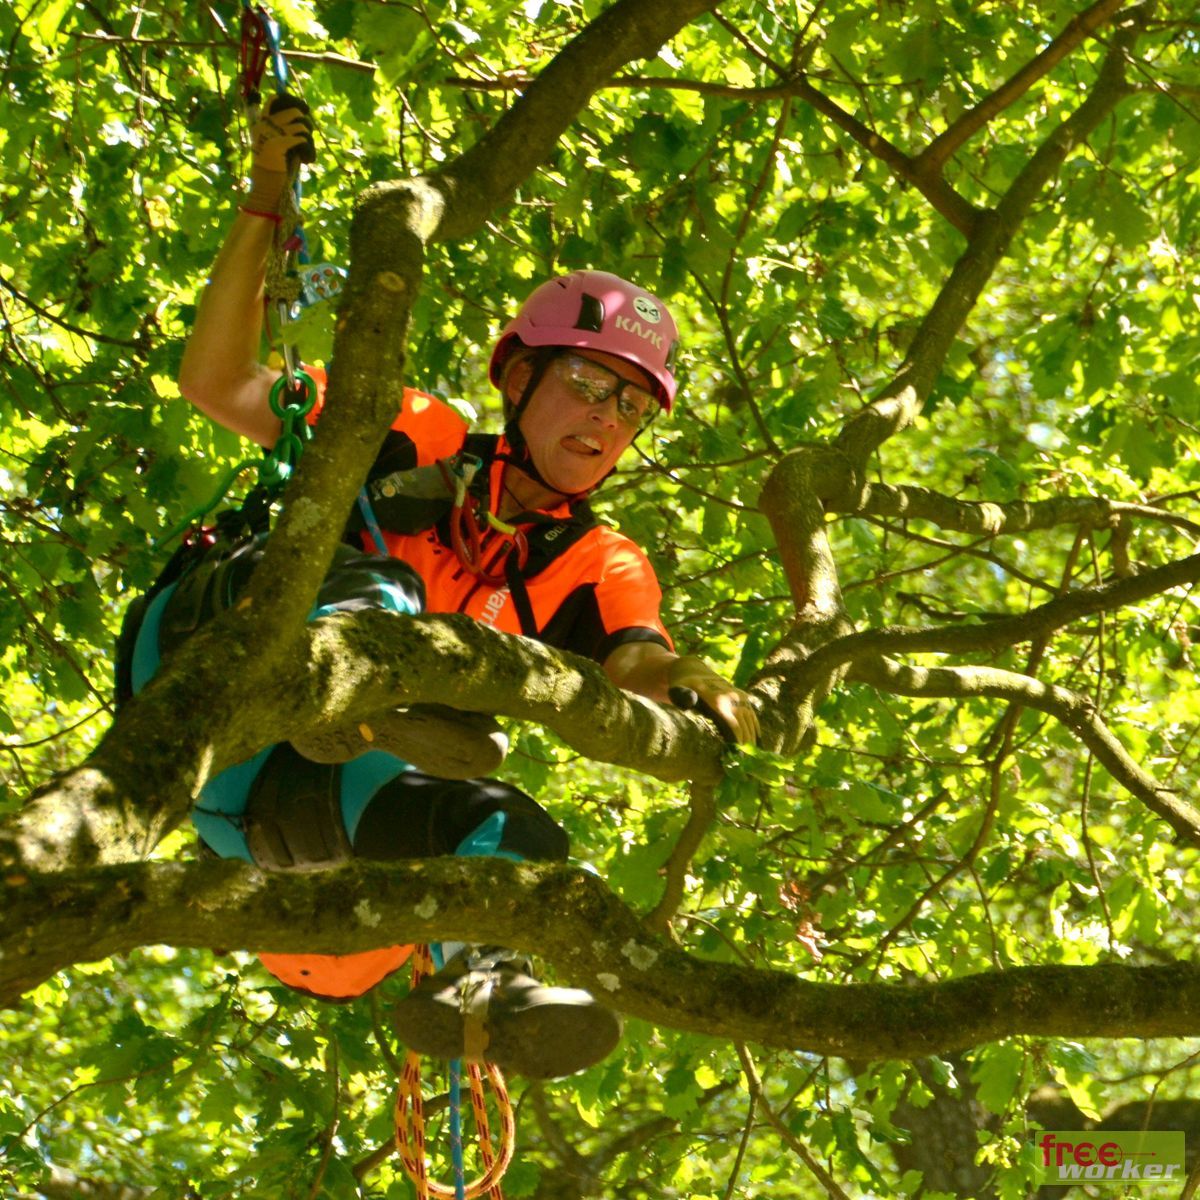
(1078, 713)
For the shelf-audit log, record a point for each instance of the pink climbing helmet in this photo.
(596, 310)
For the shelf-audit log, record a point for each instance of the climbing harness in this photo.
(410, 1120)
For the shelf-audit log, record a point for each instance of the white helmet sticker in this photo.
(647, 310)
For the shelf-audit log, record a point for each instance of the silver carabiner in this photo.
(287, 349)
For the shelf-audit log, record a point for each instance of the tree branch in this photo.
(144, 776)
(793, 1143)
(961, 213)
(61, 1184)
(485, 175)
(1080, 27)
(900, 401)
(1007, 631)
(702, 811)
(943, 198)
(794, 673)
(594, 941)
(1078, 713)
(992, 519)
(792, 503)
(138, 345)
(807, 480)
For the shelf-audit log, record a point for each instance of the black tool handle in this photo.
(689, 701)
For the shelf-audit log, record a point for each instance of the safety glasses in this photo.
(593, 383)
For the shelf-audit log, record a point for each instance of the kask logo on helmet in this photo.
(639, 330)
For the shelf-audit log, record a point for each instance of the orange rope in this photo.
(410, 1120)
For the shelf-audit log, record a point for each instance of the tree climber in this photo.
(494, 526)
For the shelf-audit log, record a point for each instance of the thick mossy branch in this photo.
(142, 780)
(457, 661)
(793, 499)
(391, 225)
(592, 939)
(203, 711)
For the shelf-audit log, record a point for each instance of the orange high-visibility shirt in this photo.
(598, 594)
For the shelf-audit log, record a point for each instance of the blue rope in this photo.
(455, 1089)
(364, 506)
(456, 1145)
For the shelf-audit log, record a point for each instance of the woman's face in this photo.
(574, 443)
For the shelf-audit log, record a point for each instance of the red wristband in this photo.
(254, 212)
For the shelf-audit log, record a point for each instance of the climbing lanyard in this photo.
(294, 393)
(410, 1121)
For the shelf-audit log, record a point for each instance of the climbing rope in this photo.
(410, 1121)
(262, 43)
(294, 394)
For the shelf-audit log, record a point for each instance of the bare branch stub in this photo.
(702, 812)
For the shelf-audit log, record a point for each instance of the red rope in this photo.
(410, 1120)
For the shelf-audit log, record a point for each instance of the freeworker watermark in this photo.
(1070, 1157)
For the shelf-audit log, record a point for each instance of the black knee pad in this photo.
(293, 819)
(357, 581)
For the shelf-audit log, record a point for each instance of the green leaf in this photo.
(998, 1070)
(1120, 217)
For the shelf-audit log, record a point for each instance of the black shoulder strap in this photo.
(520, 596)
(410, 499)
(548, 540)
(551, 538)
(483, 446)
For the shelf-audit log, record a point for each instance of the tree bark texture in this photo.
(592, 939)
